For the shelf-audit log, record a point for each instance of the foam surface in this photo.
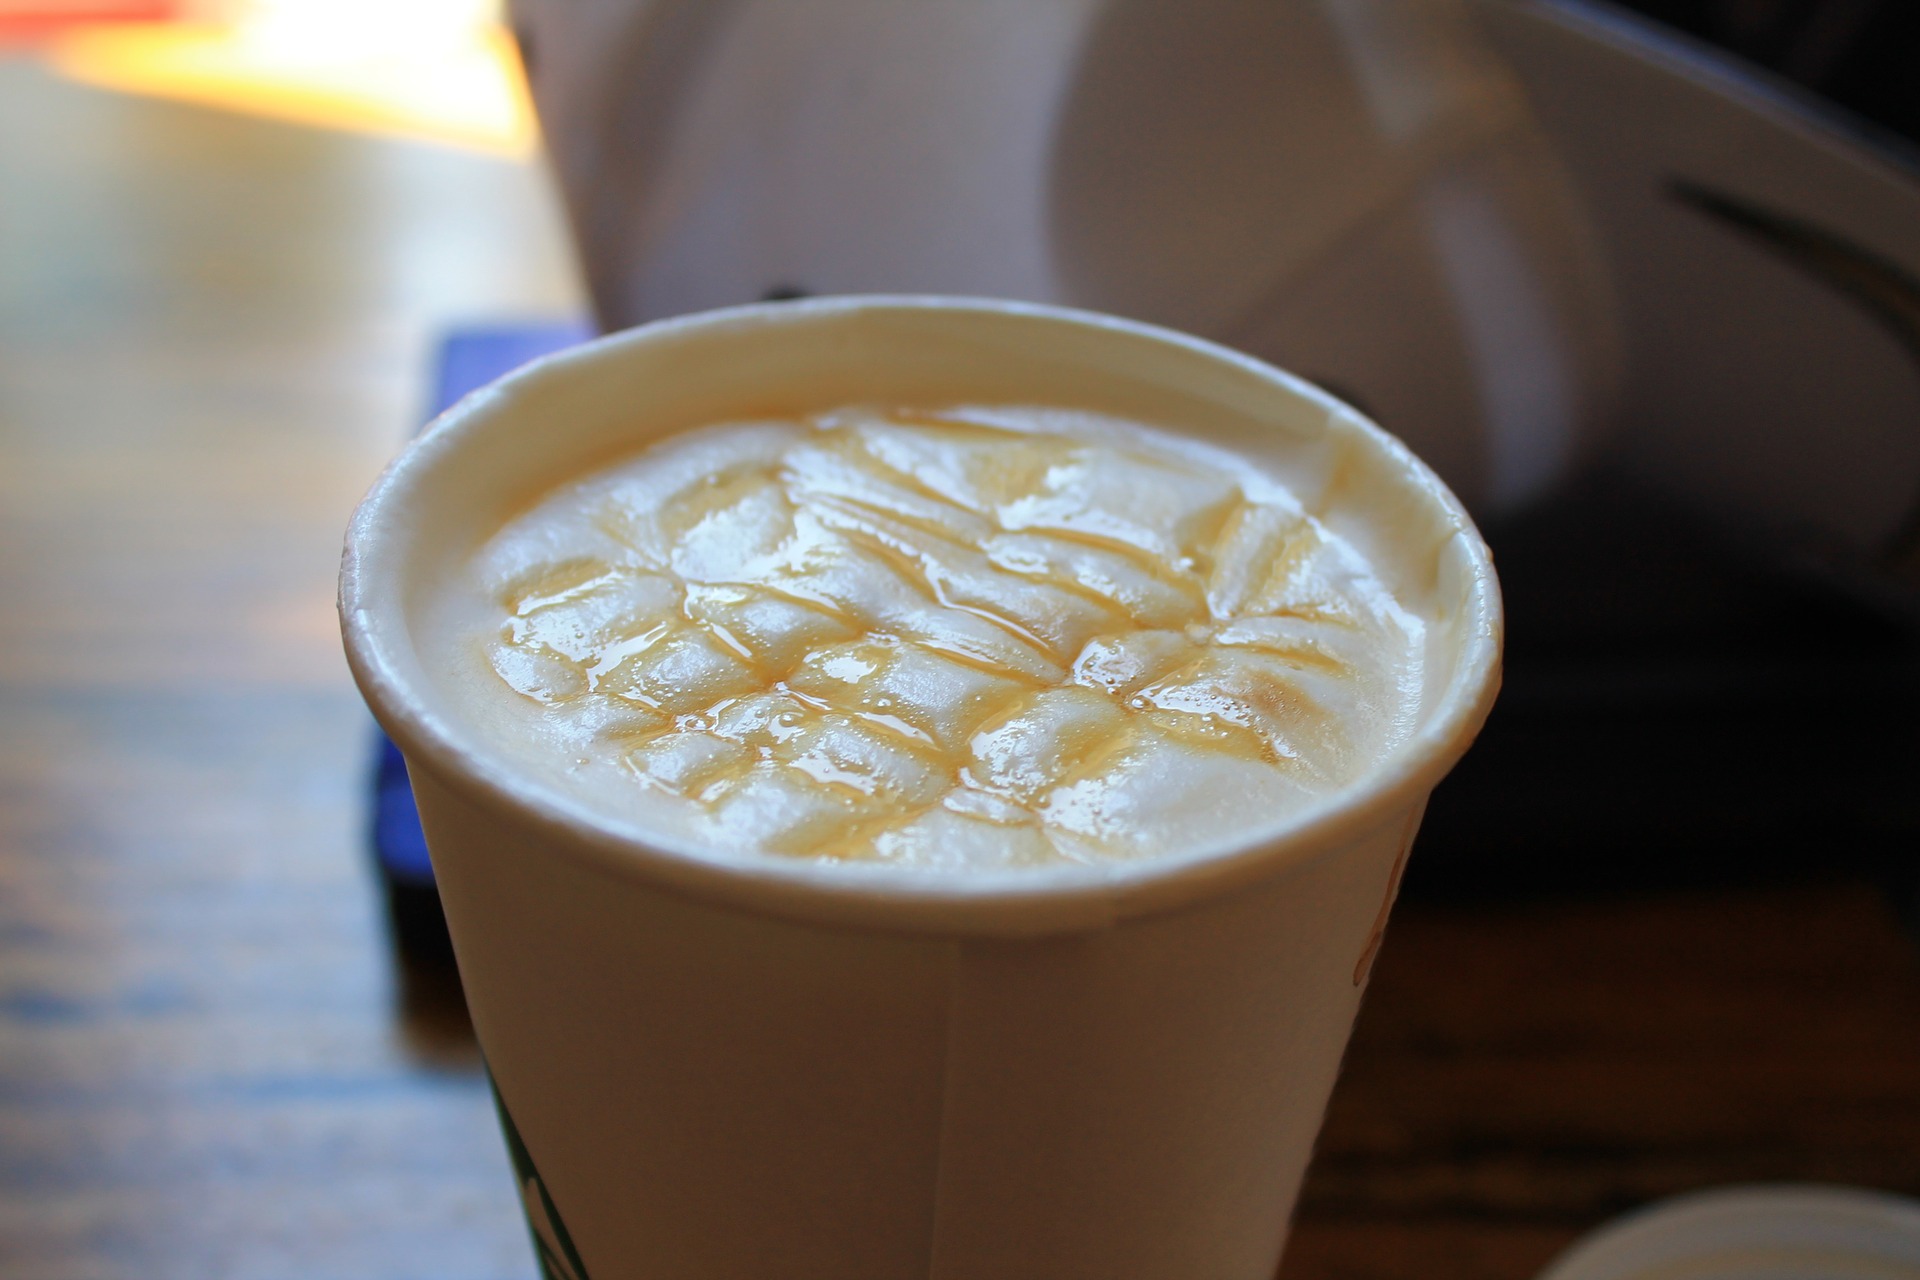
(977, 637)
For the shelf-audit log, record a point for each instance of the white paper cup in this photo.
(754, 1068)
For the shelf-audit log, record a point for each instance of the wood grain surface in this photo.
(1522, 1072)
(213, 330)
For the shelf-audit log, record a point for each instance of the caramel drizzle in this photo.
(909, 544)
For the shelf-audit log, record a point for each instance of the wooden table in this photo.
(212, 332)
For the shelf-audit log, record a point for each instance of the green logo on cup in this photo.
(559, 1260)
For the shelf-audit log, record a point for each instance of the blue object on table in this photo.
(468, 359)
(397, 838)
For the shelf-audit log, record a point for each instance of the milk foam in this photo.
(973, 637)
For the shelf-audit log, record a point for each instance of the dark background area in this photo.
(1858, 54)
(1678, 713)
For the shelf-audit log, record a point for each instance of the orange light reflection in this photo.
(436, 70)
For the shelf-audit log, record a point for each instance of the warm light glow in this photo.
(438, 70)
(31, 22)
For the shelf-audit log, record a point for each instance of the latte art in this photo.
(977, 637)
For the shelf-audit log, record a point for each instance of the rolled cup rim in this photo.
(1020, 902)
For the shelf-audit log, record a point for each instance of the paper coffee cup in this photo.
(722, 1068)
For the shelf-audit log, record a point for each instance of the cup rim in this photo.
(1026, 901)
